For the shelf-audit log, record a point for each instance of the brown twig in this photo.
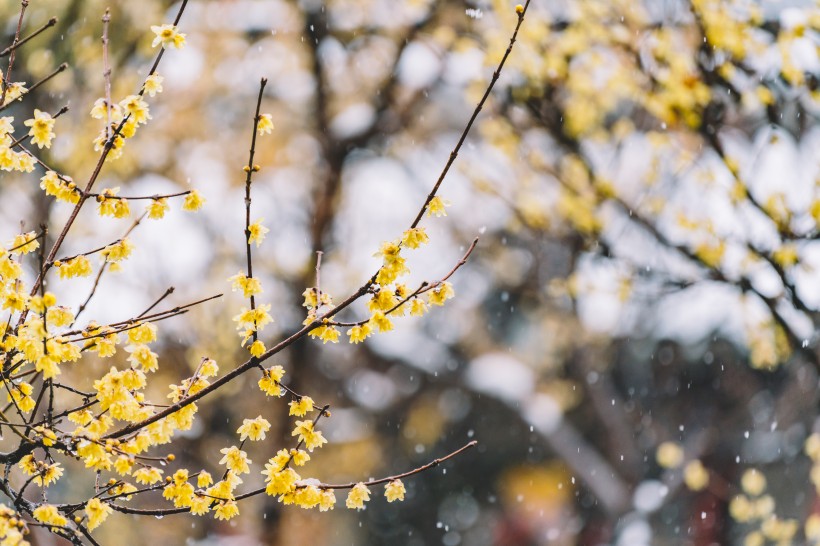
(48, 24)
(469, 125)
(96, 172)
(56, 71)
(14, 43)
(255, 492)
(249, 170)
(106, 72)
(102, 270)
(254, 362)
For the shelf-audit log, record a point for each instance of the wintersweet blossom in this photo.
(357, 496)
(42, 129)
(167, 35)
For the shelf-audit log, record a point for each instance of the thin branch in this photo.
(469, 125)
(106, 72)
(48, 24)
(7, 79)
(102, 270)
(97, 169)
(255, 361)
(255, 492)
(249, 170)
(167, 293)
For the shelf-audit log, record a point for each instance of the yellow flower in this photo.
(265, 124)
(97, 511)
(47, 436)
(384, 300)
(118, 251)
(250, 286)
(328, 500)
(157, 208)
(299, 457)
(441, 293)
(226, 510)
(257, 348)
(390, 251)
(153, 84)
(21, 395)
(357, 496)
(256, 232)
(61, 187)
(41, 131)
(48, 366)
(208, 368)
(75, 267)
(50, 474)
(252, 320)
(59, 316)
(279, 481)
(394, 491)
(193, 201)
(418, 307)
(143, 356)
(200, 504)
(123, 465)
(307, 434)
(167, 35)
(144, 333)
(49, 514)
(98, 111)
(111, 205)
(28, 464)
(300, 407)
(436, 207)
(137, 108)
(415, 237)
(25, 243)
(6, 125)
(254, 429)
(359, 333)
(235, 459)
(381, 322)
(325, 333)
(148, 476)
(269, 383)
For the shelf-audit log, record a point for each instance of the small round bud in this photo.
(78, 519)
(519, 9)
(112, 481)
(100, 198)
(246, 169)
(171, 457)
(58, 263)
(168, 479)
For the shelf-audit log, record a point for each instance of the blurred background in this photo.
(644, 294)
